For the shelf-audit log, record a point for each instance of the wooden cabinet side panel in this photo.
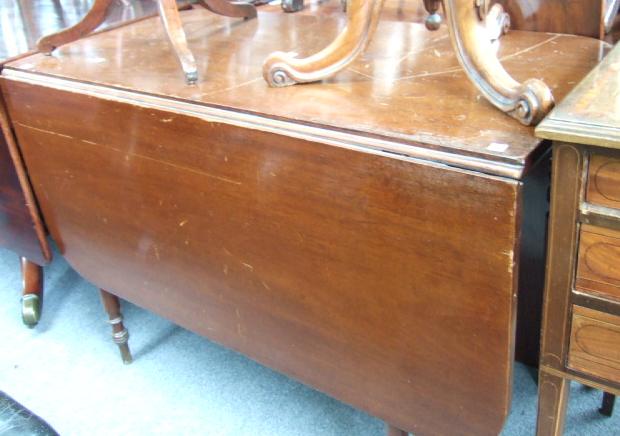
(566, 186)
(388, 284)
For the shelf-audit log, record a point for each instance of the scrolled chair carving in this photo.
(169, 13)
(472, 24)
(282, 69)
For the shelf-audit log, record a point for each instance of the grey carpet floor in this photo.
(68, 371)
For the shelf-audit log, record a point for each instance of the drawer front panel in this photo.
(595, 343)
(604, 181)
(598, 268)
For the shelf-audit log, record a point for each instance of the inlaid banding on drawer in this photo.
(595, 343)
(598, 268)
(604, 181)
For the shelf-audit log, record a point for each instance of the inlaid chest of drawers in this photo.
(371, 235)
(581, 315)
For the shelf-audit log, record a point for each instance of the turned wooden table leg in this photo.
(95, 16)
(32, 297)
(529, 101)
(395, 431)
(552, 401)
(120, 335)
(283, 69)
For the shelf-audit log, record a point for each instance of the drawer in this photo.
(604, 181)
(598, 268)
(595, 343)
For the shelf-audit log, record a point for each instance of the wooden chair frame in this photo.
(468, 22)
(169, 13)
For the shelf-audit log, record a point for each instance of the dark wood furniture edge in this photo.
(24, 181)
(566, 194)
(569, 131)
(599, 216)
(596, 302)
(567, 187)
(582, 378)
(492, 165)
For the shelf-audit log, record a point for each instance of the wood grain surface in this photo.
(604, 181)
(411, 92)
(588, 114)
(373, 279)
(16, 226)
(21, 227)
(314, 229)
(599, 257)
(595, 343)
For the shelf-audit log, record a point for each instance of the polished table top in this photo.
(590, 114)
(406, 93)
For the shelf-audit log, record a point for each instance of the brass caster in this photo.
(121, 338)
(433, 21)
(292, 5)
(31, 310)
(191, 77)
(125, 354)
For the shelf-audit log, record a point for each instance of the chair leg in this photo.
(527, 101)
(93, 19)
(284, 69)
(229, 9)
(173, 25)
(395, 431)
(120, 335)
(169, 13)
(607, 407)
(32, 297)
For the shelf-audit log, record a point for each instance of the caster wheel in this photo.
(292, 5)
(433, 21)
(31, 310)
